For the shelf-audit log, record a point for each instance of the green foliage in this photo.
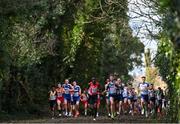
(168, 59)
(46, 41)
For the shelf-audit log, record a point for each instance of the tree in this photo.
(48, 41)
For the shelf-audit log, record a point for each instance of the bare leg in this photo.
(107, 105)
(120, 107)
(59, 107)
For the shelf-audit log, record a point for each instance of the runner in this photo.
(98, 103)
(76, 97)
(67, 97)
(119, 92)
(52, 100)
(84, 100)
(93, 96)
(111, 88)
(152, 99)
(107, 97)
(143, 87)
(131, 94)
(59, 99)
(72, 106)
(159, 97)
(125, 99)
(136, 104)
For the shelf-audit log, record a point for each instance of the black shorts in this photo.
(75, 100)
(152, 99)
(52, 103)
(145, 97)
(119, 97)
(92, 99)
(131, 99)
(159, 103)
(113, 96)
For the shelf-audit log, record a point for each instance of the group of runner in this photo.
(120, 98)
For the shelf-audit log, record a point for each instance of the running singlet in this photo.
(59, 93)
(93, 89)
(66, 87)
(130, 93)
(125, 92)
(142, 87)
(84, 97)
(120, 89)
(135, 96)
(52, 96)
(151, 93)
(112, 88)
(159, 95)
(76, 90)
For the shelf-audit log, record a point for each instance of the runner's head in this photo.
(59, 85)
(111, 77)
(85, 90)
(66, 81)
(133, 89)
(53, 88)
(115, 76)
(107, 81)
(74, 83)
(151, 86)
(143, 78)
(93, 80)
(159, 88)
(118, 80)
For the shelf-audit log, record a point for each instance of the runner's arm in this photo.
(79, 90)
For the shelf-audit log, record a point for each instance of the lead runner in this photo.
(93, 90)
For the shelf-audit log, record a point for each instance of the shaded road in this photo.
(101, 119)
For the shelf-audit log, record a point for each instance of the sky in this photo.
(139, 26)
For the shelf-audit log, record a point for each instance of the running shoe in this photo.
(66, 114)
(130, 111)
(146, 113)
(112, 116)
(97, 115)
(85, 113)
(70, 114)
(142, 111)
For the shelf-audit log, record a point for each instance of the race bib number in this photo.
(59, 94)
(52, 97)
(159, 97)
(66, 91)
(151, 94)
(125, 94)
(76, 94)
(112, 90)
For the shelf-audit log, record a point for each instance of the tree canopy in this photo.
(45, 41)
